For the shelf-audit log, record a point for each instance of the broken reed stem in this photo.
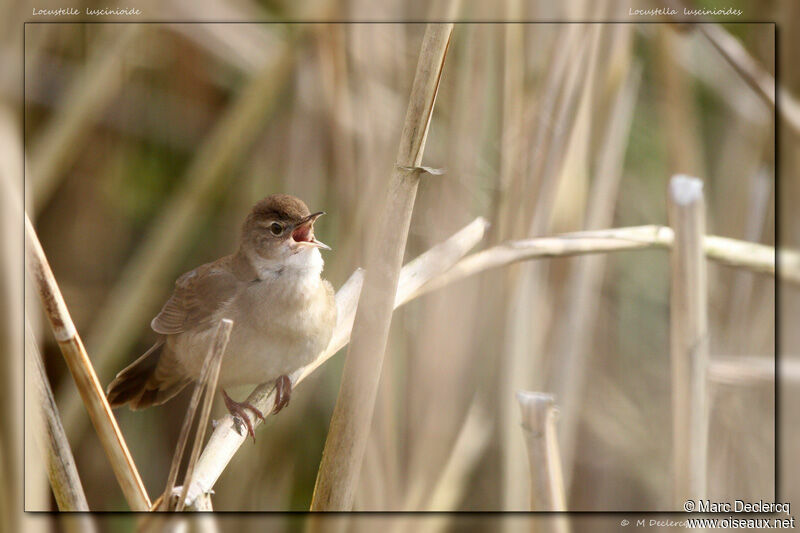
(539, 414)
(226, 440)
(61, 471)
(752, 256)
(80, 366)
(194, 402)
(215, 354)
(342, 457)
(688, 338)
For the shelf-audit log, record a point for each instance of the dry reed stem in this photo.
(225, 440)
(526, 295)
(183, 438)
(352, 417)
(132, 299)
(742, 62)
(576, 87)
(511, 136)
(13, 465)
(471, 442)
(751, 256)
(420, 441)
(688, 339)
(539, 414)
(80, 367)
(61, 470)
(753, 73)
(215, 353)
(752, 369)
(677, 106)
(549, 125)
(586, 273)
(85, 99)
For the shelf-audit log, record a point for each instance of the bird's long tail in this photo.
(147, 381)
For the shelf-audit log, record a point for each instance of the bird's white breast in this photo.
(281, 323)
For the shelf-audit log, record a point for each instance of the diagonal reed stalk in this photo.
(352, 417)
(80, 367)
(688, 339)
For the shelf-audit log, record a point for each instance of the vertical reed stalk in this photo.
(214, 361)
(352, 417)
(547, 484)
(12, 463)
(677, 105)
(80, 367)
(688, 338)
(586, 276)
(194, 403)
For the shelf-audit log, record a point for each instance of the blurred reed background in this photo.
(147, 144)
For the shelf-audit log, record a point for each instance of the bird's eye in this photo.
(276, 229)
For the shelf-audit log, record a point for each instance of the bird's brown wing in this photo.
(197, 295)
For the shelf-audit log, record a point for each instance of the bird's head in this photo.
(280, 230)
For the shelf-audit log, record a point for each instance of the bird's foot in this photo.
(237, 409)
(283, 391)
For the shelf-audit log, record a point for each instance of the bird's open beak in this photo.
(303, 232)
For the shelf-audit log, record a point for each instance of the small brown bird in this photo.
(282, 310)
